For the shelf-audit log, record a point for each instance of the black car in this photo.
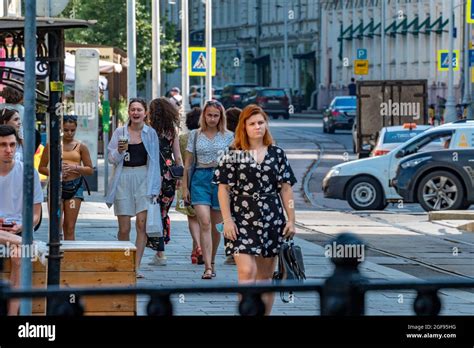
(274, 101)
(438, 180)
(340, 114)
(234, 94)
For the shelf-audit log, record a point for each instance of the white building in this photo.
(415, 31)
(10, 8)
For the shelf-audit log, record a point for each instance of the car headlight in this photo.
(333, 172)
(414, 162)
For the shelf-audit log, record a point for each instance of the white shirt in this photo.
(11, 193)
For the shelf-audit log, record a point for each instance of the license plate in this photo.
(273, 102)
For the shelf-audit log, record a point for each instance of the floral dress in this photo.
(168, 188)
(255, 203)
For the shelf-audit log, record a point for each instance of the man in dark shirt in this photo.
(352, 87)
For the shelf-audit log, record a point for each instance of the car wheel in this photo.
(465, 205)
(275, 117)
(331, 130)
(286, 116)
(440, 190)
(365, 193)
(325, 130)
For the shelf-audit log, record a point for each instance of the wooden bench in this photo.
(92, 264)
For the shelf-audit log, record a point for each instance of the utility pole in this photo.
(184, 15)
(382, 43)
(209, 57)
(467, 101)
(131, 49)
(156, 49)
(450, 115)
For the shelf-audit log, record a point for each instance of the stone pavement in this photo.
(97, 222)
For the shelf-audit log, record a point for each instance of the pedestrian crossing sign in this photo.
(197, 61)
(443, 60)
(469, 12)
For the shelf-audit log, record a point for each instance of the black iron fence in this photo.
(341, 294)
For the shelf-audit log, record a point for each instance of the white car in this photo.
(391, 137)
(366, 183)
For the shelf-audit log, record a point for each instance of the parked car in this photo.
(195, 95)
(234, 94)
(274, 101)
(340, 114)
(436, 180)
(390, 137)
(366, 183)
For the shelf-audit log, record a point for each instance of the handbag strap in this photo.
(195, 146)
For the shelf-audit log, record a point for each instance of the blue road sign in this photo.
(469, 12)
(443, 60)
(361, 53)
(471, 57)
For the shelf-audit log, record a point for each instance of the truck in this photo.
(386, 103)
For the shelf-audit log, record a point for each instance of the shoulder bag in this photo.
(193, 165)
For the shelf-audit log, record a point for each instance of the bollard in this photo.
(160, 306)
(340, 295)
(251, 304)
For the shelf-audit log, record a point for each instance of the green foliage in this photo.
(111, 30)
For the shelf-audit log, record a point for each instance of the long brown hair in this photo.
(241, 140)
(164, 117)
(143, 103)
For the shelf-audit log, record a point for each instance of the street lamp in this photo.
(156, 49)
(467, 101)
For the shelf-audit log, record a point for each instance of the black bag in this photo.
(70, 192)
(290, 266)
(176, 172)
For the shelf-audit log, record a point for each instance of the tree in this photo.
(111, 30)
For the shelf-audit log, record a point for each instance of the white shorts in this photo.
(131, 197)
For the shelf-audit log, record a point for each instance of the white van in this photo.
(366, 183)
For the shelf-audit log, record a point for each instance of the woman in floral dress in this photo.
(255, 188)
(164, 118)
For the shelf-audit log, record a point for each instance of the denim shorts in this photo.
(72, 184)
(203, 191)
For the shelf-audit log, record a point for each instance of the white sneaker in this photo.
(158, 261)
(41, 250)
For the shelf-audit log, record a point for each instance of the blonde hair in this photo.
(222, 125)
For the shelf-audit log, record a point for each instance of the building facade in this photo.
(415, 31)
(249, 36)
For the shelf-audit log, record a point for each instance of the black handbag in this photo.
(176, 172)
(290, 266)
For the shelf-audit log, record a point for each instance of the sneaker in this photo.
(41, 250)
(158, 261)
(229, 260)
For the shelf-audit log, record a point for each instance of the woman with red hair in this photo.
(255, 185)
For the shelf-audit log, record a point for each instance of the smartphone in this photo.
(7, 223)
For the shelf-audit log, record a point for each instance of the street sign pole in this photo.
(156, 49)
(209, 57)
(382, 44)
(450, 115)
(28, 175)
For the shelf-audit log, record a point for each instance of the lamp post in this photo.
(184, 57)
(156, 49)
(287, 65)
(131, 49)
(382, 43)
(451, 102)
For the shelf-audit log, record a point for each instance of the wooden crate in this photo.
(93, 264)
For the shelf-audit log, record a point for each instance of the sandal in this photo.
(206, 274)
(213, 270)
(200, 260)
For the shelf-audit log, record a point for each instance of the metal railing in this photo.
(341, 294)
